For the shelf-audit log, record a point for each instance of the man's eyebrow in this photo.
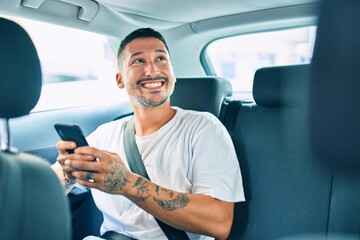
(161, 50)
(135, 54)
(139, 53)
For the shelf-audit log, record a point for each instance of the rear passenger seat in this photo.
(288, 192)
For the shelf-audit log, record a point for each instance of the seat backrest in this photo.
(32, 200)
(280, 87)
(334, 112)
(286, 192)
(201, 93)
(335, 85)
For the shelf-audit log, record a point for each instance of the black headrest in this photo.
(20, 73)
(335, 84)
(280, 86)
(201, 93)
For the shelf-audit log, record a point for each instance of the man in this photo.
(189, 156)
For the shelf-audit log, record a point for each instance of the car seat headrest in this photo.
(20, 72)
(280, 86)
(334, 112)
(201, 93)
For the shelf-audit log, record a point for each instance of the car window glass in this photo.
(78, 67)
(237, 58)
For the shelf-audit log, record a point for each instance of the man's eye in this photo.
(136, 61)
(161, 59)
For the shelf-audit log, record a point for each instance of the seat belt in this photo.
(230, 115)
(137, 166)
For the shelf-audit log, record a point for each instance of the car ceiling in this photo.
(160, 14)
(196, 23)
(187, 11)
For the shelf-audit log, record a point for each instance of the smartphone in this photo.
(71, 132)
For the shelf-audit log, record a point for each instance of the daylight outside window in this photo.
(78, 67)
(237, 58)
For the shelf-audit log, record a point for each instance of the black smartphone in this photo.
(71, 132)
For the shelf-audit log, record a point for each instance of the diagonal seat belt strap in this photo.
(137, 166)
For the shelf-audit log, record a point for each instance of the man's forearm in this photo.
(189, 212)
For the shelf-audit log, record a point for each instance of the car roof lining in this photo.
(115, 25)
(174, 11)
(290, 16)
(233, 15)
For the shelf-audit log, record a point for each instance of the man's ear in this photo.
(119, 80)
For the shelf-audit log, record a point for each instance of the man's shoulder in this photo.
(195, 113)
(200, 117)
(199, 114)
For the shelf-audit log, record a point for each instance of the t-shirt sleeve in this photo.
(105, 135)
(216, 170)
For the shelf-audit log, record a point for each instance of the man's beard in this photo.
(147, 103)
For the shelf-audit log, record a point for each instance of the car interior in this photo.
(295, 136)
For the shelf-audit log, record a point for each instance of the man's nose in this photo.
(151, 70)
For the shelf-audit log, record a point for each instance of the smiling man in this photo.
(188, 155)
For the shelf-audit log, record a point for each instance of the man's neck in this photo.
(149, 120)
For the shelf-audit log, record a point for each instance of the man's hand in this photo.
(98, 169)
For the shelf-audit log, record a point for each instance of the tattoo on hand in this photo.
(117, 178)
(143, 193)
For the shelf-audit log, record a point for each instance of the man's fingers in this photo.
(85, 175)
(61, 159)
(88, 184)
(95, 153)
(64, 146)
(92, 166)
(111, 153)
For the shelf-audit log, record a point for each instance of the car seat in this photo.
(32, 201)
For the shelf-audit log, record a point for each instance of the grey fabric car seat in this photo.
(32, 201)
(201, 93)
(334, 114)
(334, 109)
(335, 84)
(286, 192)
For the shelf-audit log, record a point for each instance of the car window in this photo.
(237, 58)
(78, 67)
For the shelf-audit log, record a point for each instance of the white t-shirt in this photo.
(192, 153)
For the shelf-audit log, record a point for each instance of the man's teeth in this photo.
(152, 85)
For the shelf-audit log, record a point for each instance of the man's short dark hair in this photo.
(141, 33)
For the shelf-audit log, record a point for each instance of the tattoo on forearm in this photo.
(143, 193)
(180, 201)
(117, 178)
(157, 189)
(142, 188)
